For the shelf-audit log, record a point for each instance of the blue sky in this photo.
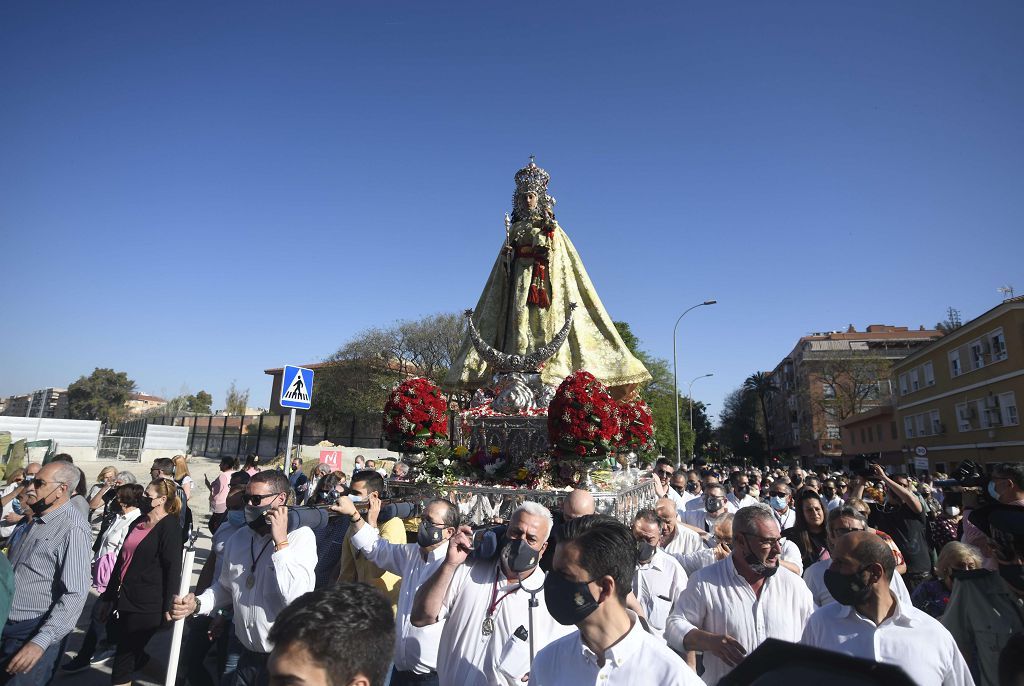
(194, 192)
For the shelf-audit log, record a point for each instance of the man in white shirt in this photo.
(713, 506)
(840, 522)
(659, 578)
(707, 556)
(867, 620)
(415, 647)
(731, 607)
(264, 569)
(491, 623)
(829, 495)
(683, 488)
(676, 537)
(781, 501)
(740, 495)
(588, 586)
(663, 472)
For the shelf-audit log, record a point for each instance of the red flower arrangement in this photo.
(583, 418)
(414, 416)
(636, 427)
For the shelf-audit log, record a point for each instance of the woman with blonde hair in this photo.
(933, 596)
(144, 579)
(181, 475)
(104, 480)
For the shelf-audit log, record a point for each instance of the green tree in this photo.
(763, 387)
(101, 395)
(201, 402)
(236, 401)
(738, 431)
(659, 393)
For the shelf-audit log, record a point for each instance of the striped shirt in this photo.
(51, 573)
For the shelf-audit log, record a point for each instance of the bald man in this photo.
(869, 621)
(677, 539)
(578, 503)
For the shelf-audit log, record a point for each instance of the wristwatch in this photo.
(199, 606)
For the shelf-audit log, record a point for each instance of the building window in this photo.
(908, 426)
(963, 417)
(977, 355)
(929, 374)
(954, 364)
(914, 383)
(832, 432)
(936, 423)
(893, 431)
(922, 428)
(904, 389)
(828, 391)
(1008, 408)
(853, 437)
(984, 408)
(997, 343)
(863, 435)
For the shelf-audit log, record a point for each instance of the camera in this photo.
(968, 475)
(860, 466)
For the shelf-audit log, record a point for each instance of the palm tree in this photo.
(761, 384)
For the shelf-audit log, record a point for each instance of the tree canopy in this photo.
(101, 395)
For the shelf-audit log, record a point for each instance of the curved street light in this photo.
(675, 375)
(689, 395)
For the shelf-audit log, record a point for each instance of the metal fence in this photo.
(123, 448)
(265, 435)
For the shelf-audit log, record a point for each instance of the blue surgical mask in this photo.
(992, 490)
(777, 503)
(357, 498)
(236, 518)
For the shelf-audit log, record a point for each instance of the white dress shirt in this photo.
(697, 560)
(909, 638)
(785, 519)
(738, 503)
(656, 585)
(6, 531)
(718, 600)
(698, 517)
(814, 577)
(415, 647)
(279, 577)
(467, 657)
(791, 553)
(685, 541)
(637, 658)
(833, 504)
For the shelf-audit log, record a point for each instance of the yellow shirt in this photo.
(355, 566)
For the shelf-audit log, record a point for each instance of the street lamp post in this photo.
(689, 395)
(675, 375)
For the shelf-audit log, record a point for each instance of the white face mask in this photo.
(952, 510)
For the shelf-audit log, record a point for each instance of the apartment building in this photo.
(138, 403)
(957, 397)
(831, 376)
(48, 403)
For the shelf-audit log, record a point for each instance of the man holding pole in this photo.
(265, 568)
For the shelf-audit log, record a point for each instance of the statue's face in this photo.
(530, 200)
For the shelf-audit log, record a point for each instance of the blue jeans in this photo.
(16, 635)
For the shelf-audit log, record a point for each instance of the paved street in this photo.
(160, 646)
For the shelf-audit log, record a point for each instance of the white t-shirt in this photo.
(637, 658)
(466, 656)
(718, 600)
(909, 638)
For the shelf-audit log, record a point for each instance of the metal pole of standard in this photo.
(179, 625)
(291, 432)
(675, 378)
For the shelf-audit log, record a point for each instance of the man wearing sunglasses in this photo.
(51, 577)
(265, 568)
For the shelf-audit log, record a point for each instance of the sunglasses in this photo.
(664, 472)
(779, 494)
(257, 500)
(39, 483)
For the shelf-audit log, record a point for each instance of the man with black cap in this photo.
(868, 621)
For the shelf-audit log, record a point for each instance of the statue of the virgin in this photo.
(529, 295)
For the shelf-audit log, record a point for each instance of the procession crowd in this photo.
(869, 564)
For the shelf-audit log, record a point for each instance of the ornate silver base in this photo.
(516, 438)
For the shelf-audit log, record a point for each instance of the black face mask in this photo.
(569, 602)
(762, 569)
(429, 534)
(40, 505)
(713, 505)
(692, 486)
(847, 589)
(146, 504)
(645, 551)
(677, 489)
(1014, 576)
(741, 490)
(518, 556)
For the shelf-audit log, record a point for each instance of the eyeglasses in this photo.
(257, 500)
(767, 542)
(842, 531)
(664, 472)
(39, 483)
(779, 494)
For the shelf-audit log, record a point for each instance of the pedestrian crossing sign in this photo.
(296, 387)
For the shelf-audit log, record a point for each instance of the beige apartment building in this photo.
(956, 398)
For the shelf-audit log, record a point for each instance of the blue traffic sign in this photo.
(296, 387)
